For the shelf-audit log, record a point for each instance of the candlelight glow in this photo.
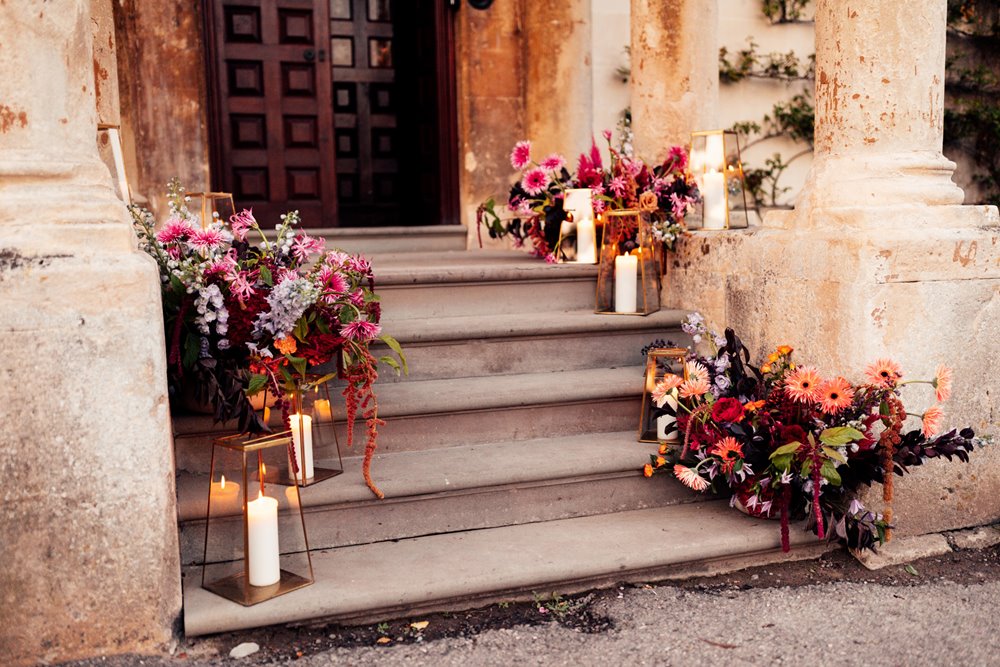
(223, 483)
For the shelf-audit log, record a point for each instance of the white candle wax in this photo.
(715, 152)
(664, 422)
(586, 241)
(323, 412)
(263, 555)
(713, 192)
(626, 270)
(302, 440)
(224, 491)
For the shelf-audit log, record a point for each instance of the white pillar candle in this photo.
(586, 240)
(626, 270)
(302, 441)
(715, 152)
(323, 412)
(263, 555)
(713, 193)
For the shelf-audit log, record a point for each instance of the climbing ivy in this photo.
(784, 11)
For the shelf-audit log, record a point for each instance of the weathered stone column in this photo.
(87, 519)
(878, 259)
(558, 83)
(675, 72)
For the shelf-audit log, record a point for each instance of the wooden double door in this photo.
(342, 109)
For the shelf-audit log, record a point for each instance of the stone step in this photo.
(452, 284)
(510, 343)
(373, 240)
(429, 414)
(461, 570)
(459, 488)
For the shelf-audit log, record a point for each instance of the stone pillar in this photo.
(558, 84)
(675, 72)
(87, 509)
(878, 259)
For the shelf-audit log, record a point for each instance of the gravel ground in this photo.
(832, 611)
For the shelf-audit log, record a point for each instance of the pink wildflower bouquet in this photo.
(534, 209)
(241, 317)
(786, 441)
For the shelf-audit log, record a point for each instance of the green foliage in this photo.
(784, 11)
(748, 62)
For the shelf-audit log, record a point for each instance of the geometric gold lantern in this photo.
(628, 278)
(213, 206)
(658, 423)
(256, 546)
(310, 418)
(717, 167)
(578, 233)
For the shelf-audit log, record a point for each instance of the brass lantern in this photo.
(717, 167)
(578, 233)
(628, 279)
(212, 205)
(658, 423)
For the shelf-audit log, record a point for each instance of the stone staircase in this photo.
(509, 459)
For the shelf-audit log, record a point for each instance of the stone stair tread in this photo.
(455, 469)
(388, 579)
(496, 392)
(513, 325)
(460, 266)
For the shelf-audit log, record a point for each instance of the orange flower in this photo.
(663, 449)
(286, 345)
(754, 406)
(932, 420)
(664, 387)
(647, 470)
(942, 383)
(695, 371)
(883, 373)
(694, 387)
(785, 350)
(835, 395)
(729, 450)
(803, 385)
(660, 461)
(773, 357)
(690, 478)
(766, 368)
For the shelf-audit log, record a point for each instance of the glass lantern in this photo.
(717, 168)
(256, 547)
(658, 423)
(212, 206)
(628, 279)
(578, 233)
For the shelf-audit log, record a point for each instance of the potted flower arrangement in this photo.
(241, 317)
(534, 208)
(787, 442)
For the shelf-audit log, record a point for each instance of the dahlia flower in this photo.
(535, 181)
(521, 155)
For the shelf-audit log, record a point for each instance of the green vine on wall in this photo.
(748, 63)
(785, 11)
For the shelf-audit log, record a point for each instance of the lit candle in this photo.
(626, 272)
(267, 415)
(323, 411)
(586, 241)
(713, 193)
(225, 492)
(263, 555)
(302, 440)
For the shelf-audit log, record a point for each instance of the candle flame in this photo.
(260, 494)
(263, 469)
(222, 484)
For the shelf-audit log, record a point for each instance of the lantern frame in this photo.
(577, 213)
(618, 226)
(718, 152)
(656, 369)
(209, 204)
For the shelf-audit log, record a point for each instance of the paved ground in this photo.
(935, 611)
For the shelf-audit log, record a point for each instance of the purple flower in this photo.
(521, 155)
(360, 330)
(535, 181)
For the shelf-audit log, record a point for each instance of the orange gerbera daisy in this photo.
(883, 373)
(690, 478)
(730, 451)
(647, 470)
(835, 395)
(803, 385)
(694, 387)
(695, 371)
(664, 387)
(932, 420)
(942, 383)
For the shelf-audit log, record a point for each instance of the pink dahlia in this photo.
(241, 223)
(553, 162)
(304, 245)
(175, 229)
(535, 181)
(360, 330)
(521, 155)
(207, 239)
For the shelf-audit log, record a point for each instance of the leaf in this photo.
(840, 436)
(420, 625)
(320, 381)
(790, 448)
(834, 454)
(389, 361)
(191, 350)
(911, 570)
(397, 348)
(807, 467)
(256, 384)
(829, 472)
(782, 462)
(298, 363)
(266, 277)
